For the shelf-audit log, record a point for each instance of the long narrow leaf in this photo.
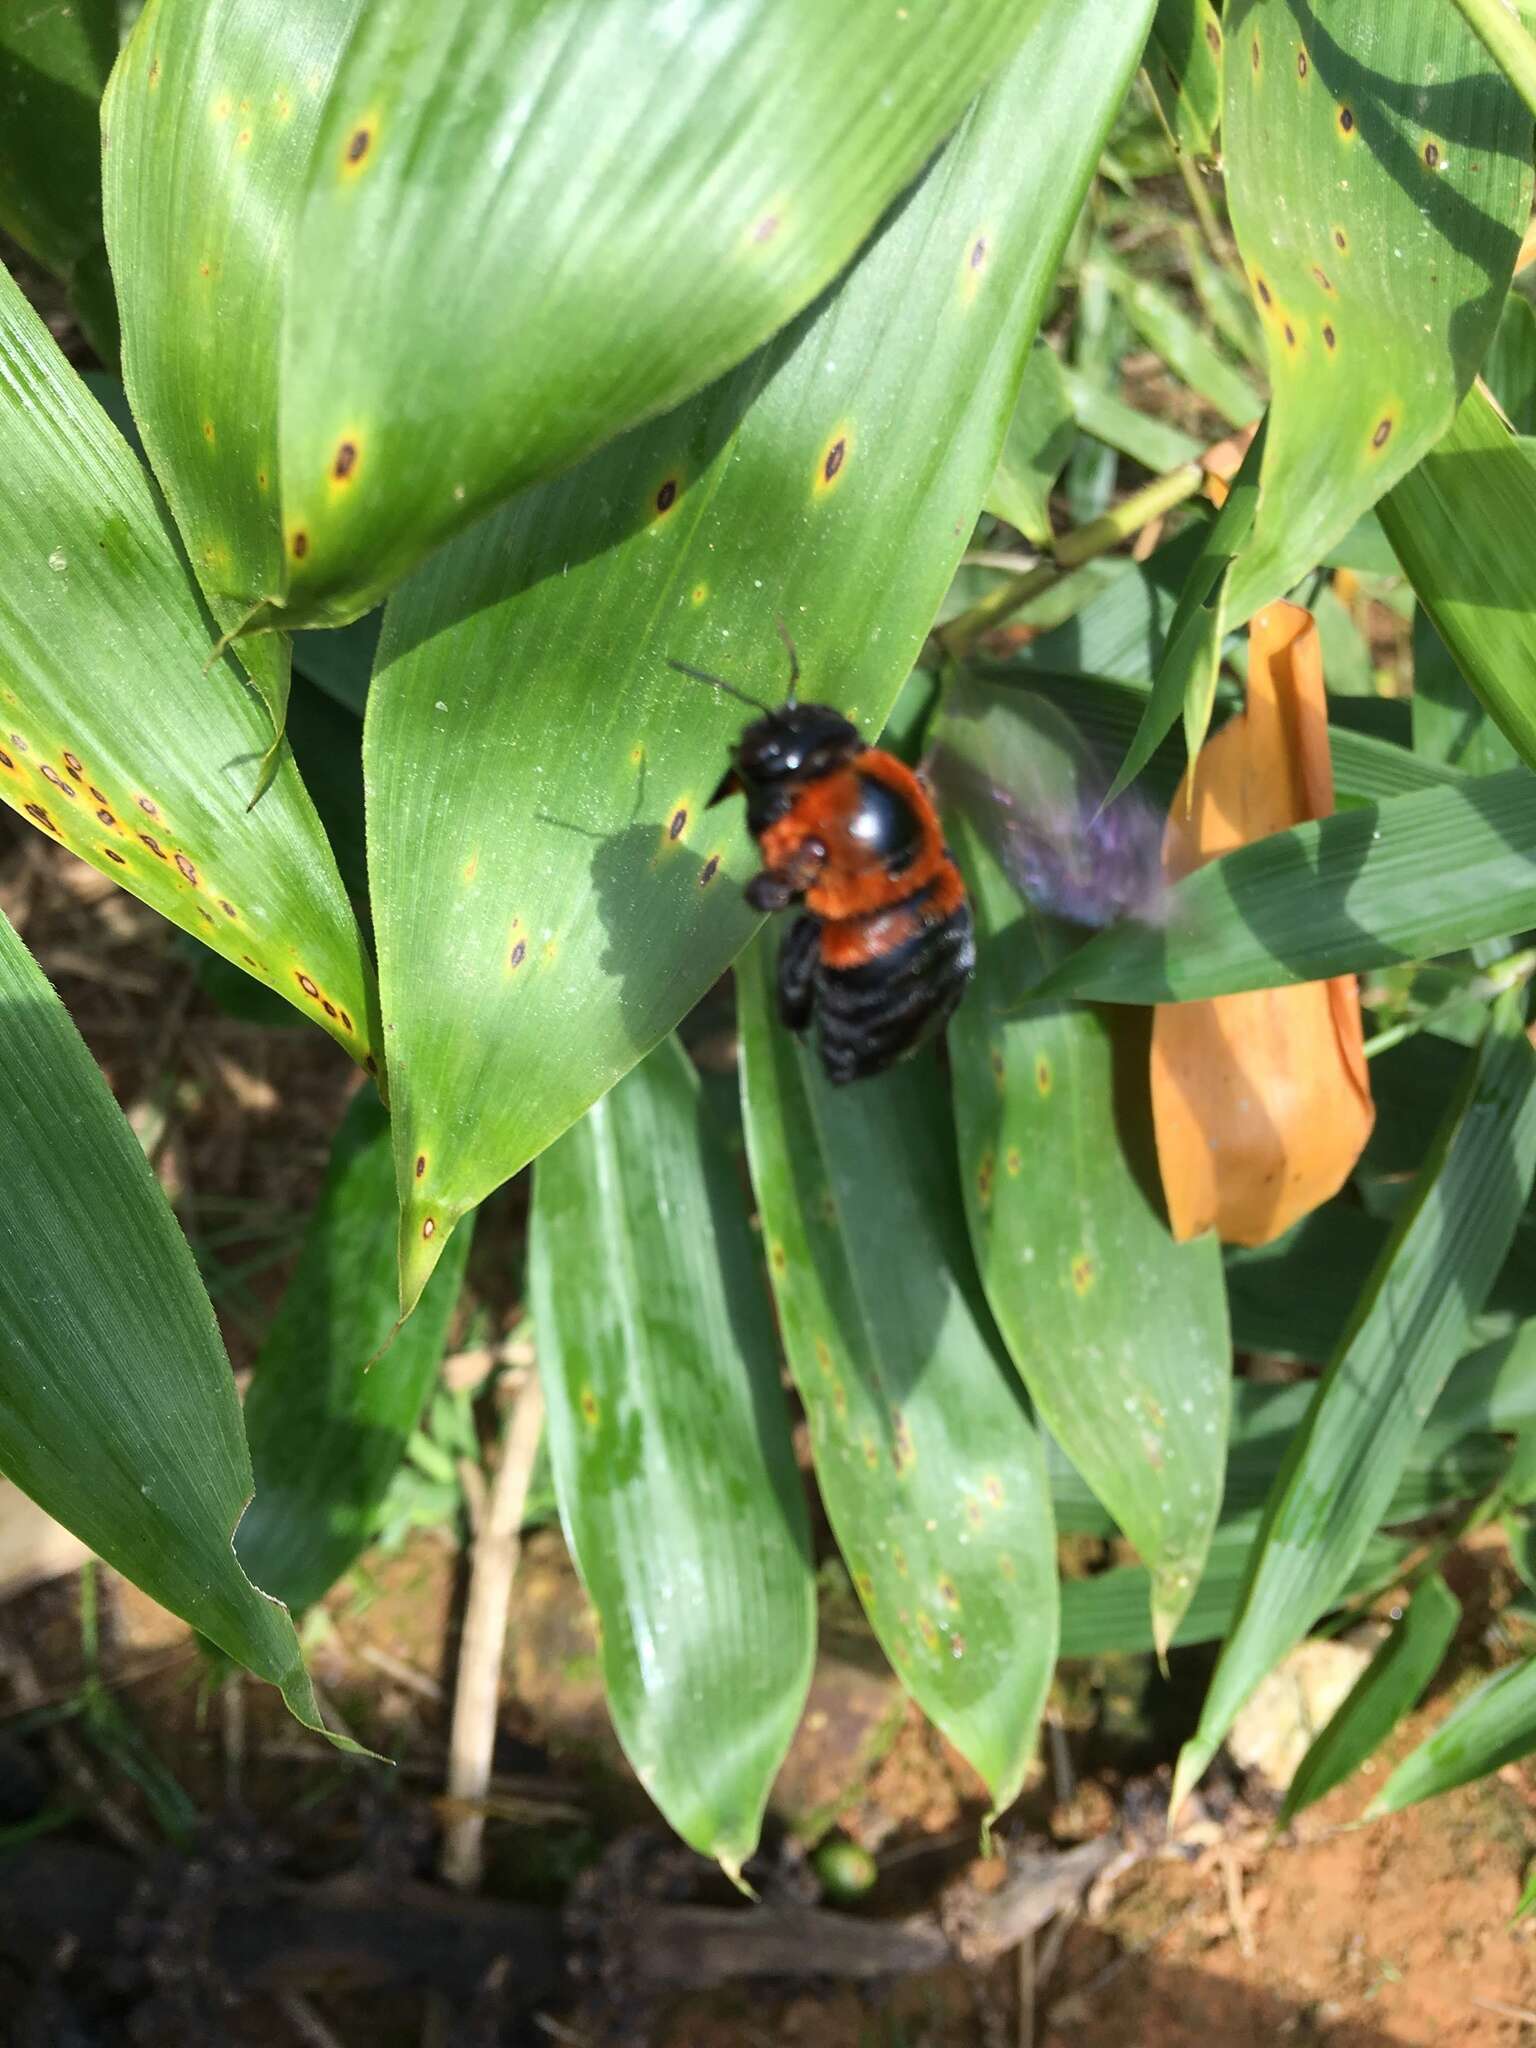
(118, 1412)
(1451, 520)
(1389, 1687)
(551, 893)
(1445, 1249)
(208, 127)
(1495, 1726)
(1379, 179)
(327, 1417)
(113, 740)
(1405, 879)
(671, 1451)
(468, 225)
(926, 1457)
(1119, 1334)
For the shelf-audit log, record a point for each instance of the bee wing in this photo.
(1034, 789)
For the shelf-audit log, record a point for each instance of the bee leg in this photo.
(798, 955)
(771, 889)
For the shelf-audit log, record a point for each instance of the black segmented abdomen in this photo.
(874, 1014)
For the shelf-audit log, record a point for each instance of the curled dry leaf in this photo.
(1262, 1101)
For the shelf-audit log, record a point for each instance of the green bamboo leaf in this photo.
(1040, 437)
(1157, 446)
(208, 125)
(1459, 1456)
(113, 740)
(1390, 1687)
(1379, 179)
(671, 1450)
(1110, 1613)
(1404, 879)
(682, 180)
(1119, 1334)
(1507, 40)
(1185, 680)
(551, 893)
(1494, 1726)
(1184, 65)
(118, 1412)
(1450, 522)
(1188, 351)
(54, 63)
(327, 1416)
(1448, 722)
(1447, 1244)
(926, 1457)
(1509, 368)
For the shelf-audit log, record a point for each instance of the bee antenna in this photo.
(702, 675)
(794, 661)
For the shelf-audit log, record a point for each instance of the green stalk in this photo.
(1510, 45)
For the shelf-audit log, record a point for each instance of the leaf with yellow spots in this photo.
(1379, 179)
(1184, 65)
(524, 229)
(113, 739)
(1262, 1101)
(118, 1412)
(1119, 1333)
(521, 669)
(208, 125)
(926, 1457)
(670, 1447)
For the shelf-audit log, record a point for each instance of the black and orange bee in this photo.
(885, 946)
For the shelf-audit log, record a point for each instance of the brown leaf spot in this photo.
(1382, 434)
(187, 868)
(208, 431)
(1322, 277)
(300, 545)
(149, 807)
(1330, 339)
(519, 953)
(1255, 53)
(1302, 66)
(227, 907)
(370, 1064)
(1290, 335)
(357, 146)
(18, 741)
(1432, 155)
(345, 462)
(421, 1164)
(112, 854)
(978, 252)
(346, 1021)
(710, 869)
(836, 455)
(678, 825)
(328, 1006)
(6, 761)
(1263, 291)
(1084, 1273)
(1347, 120)
(154, 846)
(429, 1228)
(590, 1411)
(666, 497)
(1340, 239)
(51, 774)
(42, 817)
(72, 763)
(1043, 1076)
(307, 985)
(105, 817)
(1213, 37)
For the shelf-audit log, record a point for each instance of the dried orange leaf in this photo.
(1262, 1102)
